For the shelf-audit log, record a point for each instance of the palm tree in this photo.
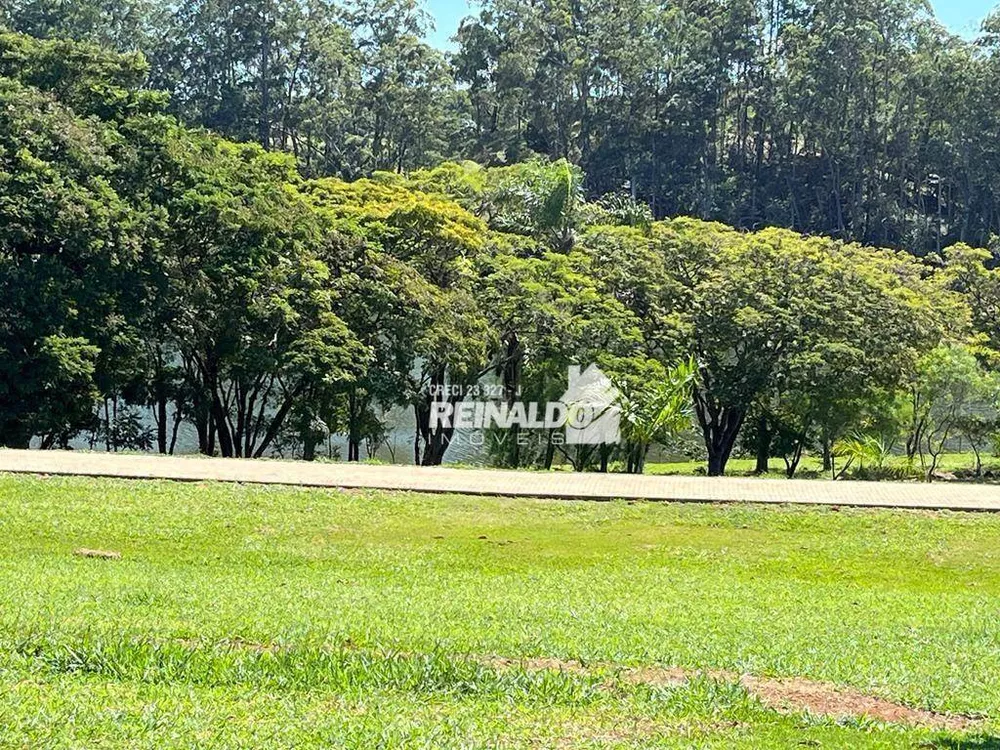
(655, 413)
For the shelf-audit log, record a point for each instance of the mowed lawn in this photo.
(271, 617)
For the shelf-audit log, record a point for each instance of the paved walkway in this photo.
(561, 485)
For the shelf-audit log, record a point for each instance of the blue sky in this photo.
(447, 14)
(961, 16)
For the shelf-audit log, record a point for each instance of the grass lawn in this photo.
(811, 467)
(271, 617)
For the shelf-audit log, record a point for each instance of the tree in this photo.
(119, 25)
(251, 309)
(856, 119)
(654, 411)
(549, 312)
(879, 324)
(774, 312)
(952, 393)
(48, 392)
(438, 241)
(349, 88)
(69, 241)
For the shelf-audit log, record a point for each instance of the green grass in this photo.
(811, 467)
(898, 467)
(268, 617)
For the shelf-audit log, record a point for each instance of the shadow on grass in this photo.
(980, 742)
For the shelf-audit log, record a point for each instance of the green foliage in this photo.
(865, 450)
(212, 284)
(83, 77)
(655, 411)
(816, 116)
(47, 391)
(952, 393)
(818, 327)
(860, 120)
(350, 88)
(69, 243)
(121, 25)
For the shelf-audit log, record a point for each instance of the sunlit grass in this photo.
(811, 467)
(276, 617)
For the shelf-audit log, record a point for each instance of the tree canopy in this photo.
(154, 272)
(865, 121)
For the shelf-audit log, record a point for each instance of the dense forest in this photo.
(859, 119)
(259, 224)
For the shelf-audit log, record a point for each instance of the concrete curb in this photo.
(556, 485)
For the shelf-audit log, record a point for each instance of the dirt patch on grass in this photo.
(669, 676)
(534, 664)
(796, 694)
(98, 554)
(787, 695)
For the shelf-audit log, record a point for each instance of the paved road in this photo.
(562, 485)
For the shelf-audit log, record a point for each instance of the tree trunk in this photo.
(274, 428)
(642, 451)
(416, 435)
(353, 427)
(792, 464)
(550, 452)
(107, 427)
(221, 427)
(178, 416)
(720, 426)
(763, 444)
(201, 420)
(511, 375)
(636, 457)
(161, 416)
(435, 441)
(435, 449)
(264, 123)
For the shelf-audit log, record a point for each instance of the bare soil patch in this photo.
(99, 554)
(797, 694)
(788, 695)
